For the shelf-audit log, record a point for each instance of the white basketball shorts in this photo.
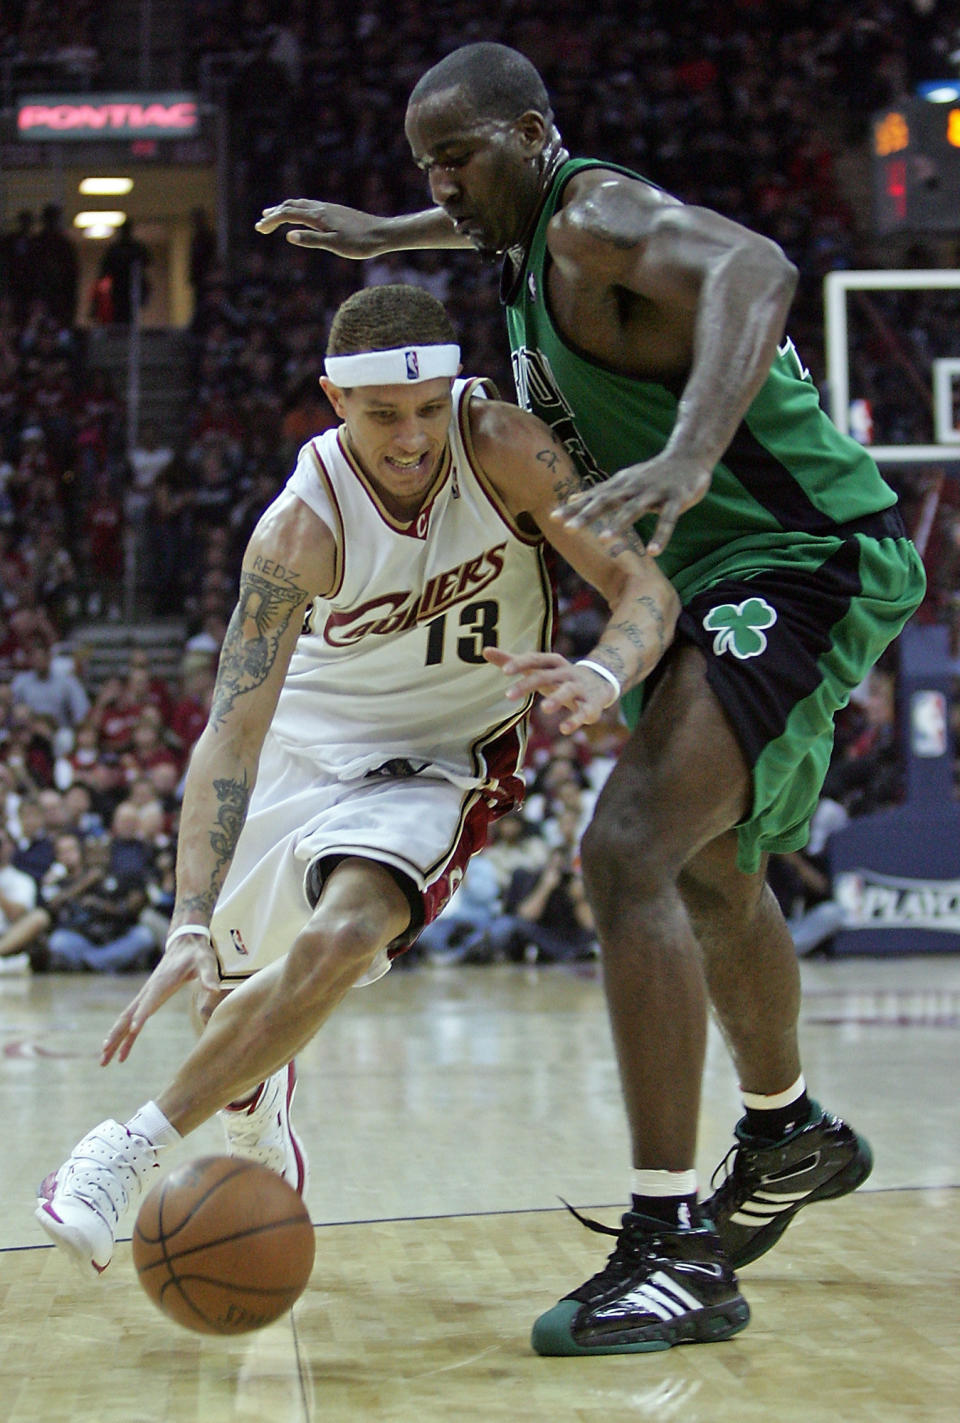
(421, 825)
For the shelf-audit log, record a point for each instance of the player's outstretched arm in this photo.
(717, 297)
(534, 475)
(348, 232)
(290, 559)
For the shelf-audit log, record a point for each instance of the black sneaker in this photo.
(659, 1287)
(766, 1185)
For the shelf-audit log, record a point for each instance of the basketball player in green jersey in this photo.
(650, 336)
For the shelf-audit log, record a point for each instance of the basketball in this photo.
(223, 1245)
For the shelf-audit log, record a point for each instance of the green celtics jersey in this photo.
(787, 470)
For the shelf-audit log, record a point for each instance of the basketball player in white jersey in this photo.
(392, 628)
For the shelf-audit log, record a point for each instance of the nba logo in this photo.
(928, 723)
(413, 365)
(237, 940)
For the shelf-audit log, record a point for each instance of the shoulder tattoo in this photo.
(259, 621)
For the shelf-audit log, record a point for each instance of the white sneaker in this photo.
(262, 1131)
(80, 1206)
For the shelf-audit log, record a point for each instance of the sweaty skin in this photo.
(638, 281)
(659, 290)
(398, 434)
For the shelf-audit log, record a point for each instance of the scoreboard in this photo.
(916, 167)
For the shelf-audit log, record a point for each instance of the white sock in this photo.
(663, 1183)
(775, 1100)
(150, 1123)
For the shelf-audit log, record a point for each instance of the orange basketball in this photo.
(223, 1245)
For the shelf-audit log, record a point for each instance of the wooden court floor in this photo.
(446, 1111)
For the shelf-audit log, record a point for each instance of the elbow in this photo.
(771, 271)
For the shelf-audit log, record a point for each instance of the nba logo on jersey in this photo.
(237, 941)
(413, 365)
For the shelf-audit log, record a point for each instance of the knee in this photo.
(621, 854)
(333, 944)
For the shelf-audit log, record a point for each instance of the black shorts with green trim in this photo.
(786, 642)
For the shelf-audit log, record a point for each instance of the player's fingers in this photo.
(596, 508)
(519, 662)
(116, 1038)
(307, 237)
(663, 530)
(290, 210)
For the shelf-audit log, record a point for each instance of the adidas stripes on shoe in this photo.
(661, 1286)
(765, 1184)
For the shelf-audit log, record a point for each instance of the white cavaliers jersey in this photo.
(389, 667)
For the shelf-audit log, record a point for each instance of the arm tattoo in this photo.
(259, 620)
(656, 617)
(633, 634)
(628, 542)
(548, 457)
(233, 797)
(194, 908)
(569, 481)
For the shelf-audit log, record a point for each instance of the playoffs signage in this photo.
(70, 117)
(874, 901)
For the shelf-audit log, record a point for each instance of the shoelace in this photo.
(108, 1185)
(629, 1251)
(726, 1174)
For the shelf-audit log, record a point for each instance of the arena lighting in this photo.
(99, 231)
(104, 187)
(939, 91)
(100, 219)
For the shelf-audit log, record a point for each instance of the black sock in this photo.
(678, 1212)
(775, 1125)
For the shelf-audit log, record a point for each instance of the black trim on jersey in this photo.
(758, 694)
(768, 481)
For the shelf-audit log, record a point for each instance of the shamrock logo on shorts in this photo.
(739, 626)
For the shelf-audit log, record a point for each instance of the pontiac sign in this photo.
(71, 117)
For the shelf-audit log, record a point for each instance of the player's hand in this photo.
(331, 226)
(561, 684)
(189, 957)
(665, 485)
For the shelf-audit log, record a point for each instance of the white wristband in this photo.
(201, 929)
(606, 674)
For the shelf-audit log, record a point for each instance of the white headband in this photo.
(402, 366)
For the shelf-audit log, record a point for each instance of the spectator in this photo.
(125, 263)
(73, 766)
(515, 844)
(545, 919)
(192, 707)
(103, 530)
(21, 922)
(29, 749)
(79, 815)
(55, 266)
(168, 538)
(474, 906)
(122, 703)
(149, 748)
(50, 692)
(16, 264)
(95, 907)
(34, 852)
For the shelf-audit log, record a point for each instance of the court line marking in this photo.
(492, 1215)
